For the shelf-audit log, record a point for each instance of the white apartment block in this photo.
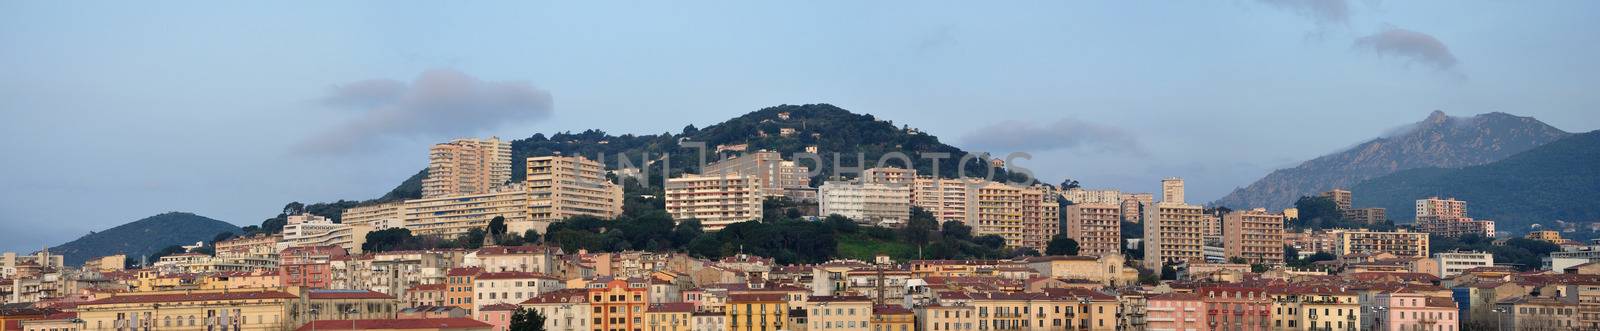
(770, 173)
(946, 199)
(457, 215)
(378, 217)
(1453, 263)
(307, 230)
(1085, 196)
(1437, 208)
(560, 187)
(715, 200)
(880, 204)
(467, 166)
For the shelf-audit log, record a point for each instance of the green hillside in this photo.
(1556, 181)
(143, 237)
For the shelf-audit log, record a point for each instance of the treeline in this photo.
(1525, 253)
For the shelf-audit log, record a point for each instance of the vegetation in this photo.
(1317, 213)
(1524, 253)
(1061, 245)
(526, 320)
(1556, 181)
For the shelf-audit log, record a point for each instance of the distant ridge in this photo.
(1438, 141)
(143, 237)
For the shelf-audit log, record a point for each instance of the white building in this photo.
(513, 287)
(1453, 263)
(873, 203)
(716, 200)
(307, 230)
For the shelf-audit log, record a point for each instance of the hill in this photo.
(1439, 141)
(143, 237)
(831, 129)
(1557, 181)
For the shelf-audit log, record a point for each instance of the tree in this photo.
(222, 236)
(992, 241)
(207, 250)
(388, 240)
(497, 226)
(1238, 260)
(1168, 272)
(531, 236)
(165, 251)
(526, 320)
(1062, 245)
(1318, 213)
(919, 229)
(1290, 254)
(1068, 184)
(955, 230)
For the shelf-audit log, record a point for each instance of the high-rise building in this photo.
(1255, 235)
(1367, 216)
(1133, 205)
(458, 214)
(1400, 242)
(715, 200)
(1172, 190)
(1456, 227)
(889, 175)
(560, 187)
(877, 203)
(467, 166)
(1024, 216)
(1080, 195)
(1341, 198)
(946, 199)
(767, 169)
(1097, 227)
(378, 217)
(1435, 207)
(1173, 231)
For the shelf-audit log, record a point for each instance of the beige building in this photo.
(1254, 235)
(716, 201)
(1085, 196)
(560, 187)
(457, 215)
(107, 263)
(876, 203)
(1096, 227)
(378, 217)
(1108, 270)
(467, 166)
(851, 313)
(1437, 208)
(1133, 205)
(946, 199)
(1400, 243)
(1024, 216)
(1173, 231)
(307, 230)
(1341, 198)
(770, 173)
(1365, 215)
(889, 175)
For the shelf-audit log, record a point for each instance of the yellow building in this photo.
(266, 309)
(757, 312)
(1097, 227)
(675, 316)
(467, 167)
(1315, 308)
(108, 263)
(1553, 237)
(1053, 309)
(560, 187)
(1254, 235)
(1400, 243)
(1107, 270)
(377, 217)
(845, 313)
(893, 318)
(716, 201)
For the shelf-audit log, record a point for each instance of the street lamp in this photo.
(1378, 316)
(1498, 313)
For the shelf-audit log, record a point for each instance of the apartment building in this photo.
(757, 312)
(1172, 190)
(1097, 227)
(1434, 207)
(1409, 310)
(1051, 309)
(260, 309)
(1367, 216)
(467, 166)
(1456, 227)
(716, 201)
(767, 169)
(1341, 198)
(560, 187)
(308, 266)
(877, 203)
(1087, 196)
(849, 313)
(1314, 308)
(459, 291)
(1454, 263)
(618, 304)
(456, 215)
(1173, 233)
(563, 310)
(307, 230)
(511, 287)
(1400, 243)
(1024, 216)
(946, 199)
(1254, 235)
(378, 216)
(1133, 205)
(889, 175)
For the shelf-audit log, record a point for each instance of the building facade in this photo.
(716, 201)
(1254, 235)
(466, 167)
(873, 203)
(1097, 227)
(560, 187)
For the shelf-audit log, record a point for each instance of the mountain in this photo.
(1557, 181)
(831, 129)
(143, 237)
(1438, 141)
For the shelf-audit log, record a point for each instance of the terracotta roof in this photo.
(347, 294)
(414, 323)
(500, 307)
(890, 310)
(510, 250)
(671, 307)
(469, 271)
(838, 298)
(512, 275)
(570, 295)
(427, 287)
(147, 298)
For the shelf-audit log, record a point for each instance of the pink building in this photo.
(308, 266)
(1175, 311)
(1409, 311)
(497, 315)
(1236, 308)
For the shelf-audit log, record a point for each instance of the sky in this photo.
(114, 111)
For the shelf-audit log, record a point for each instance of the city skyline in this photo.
(235, 112)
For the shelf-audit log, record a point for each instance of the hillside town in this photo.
(1073, 265)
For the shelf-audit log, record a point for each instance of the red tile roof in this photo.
(512, 275)
(412, 323)
(149, 298)
(672, 307)
(347, 294)
(500, 307)
(469, 271)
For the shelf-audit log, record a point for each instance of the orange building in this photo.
(458, 287)
(618, 304)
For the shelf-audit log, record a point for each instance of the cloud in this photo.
(438, 104)
(1325, 13)
(1411, 45)
(1017, 136)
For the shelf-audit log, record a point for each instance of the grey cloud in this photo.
(1411, 45)
(1324, 13)
(1017, 136)
(438, 104)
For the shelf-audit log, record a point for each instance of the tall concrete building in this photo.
(771, 174)
(1024, 216)
(1435, 207)
(1341, 198)
(946, 199)
(715, 200)
(1097, 227)
(889, 175)
(1400, 243)
(1133, 205)
(875, 203)
(1255, 235)
(1173, 230)
(1080, 195)
(560, 187)
(467, 166)
(1172, 190)
(458, 214)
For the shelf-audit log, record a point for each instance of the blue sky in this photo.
(116, 110)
